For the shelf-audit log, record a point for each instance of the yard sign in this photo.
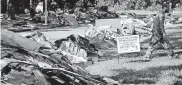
(128, 44)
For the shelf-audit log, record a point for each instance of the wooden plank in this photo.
(58, 79)
(40, 77)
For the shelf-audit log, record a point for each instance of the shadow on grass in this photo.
(147, 76)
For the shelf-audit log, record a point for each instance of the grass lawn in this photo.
(153, 75)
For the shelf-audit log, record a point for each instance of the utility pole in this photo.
(30, 3)
(7, 5)
(46, 14)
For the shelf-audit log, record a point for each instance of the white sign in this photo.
(128, 44)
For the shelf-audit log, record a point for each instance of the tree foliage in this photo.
(140, 4)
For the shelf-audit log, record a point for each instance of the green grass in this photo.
(170, 77)
(147, 76)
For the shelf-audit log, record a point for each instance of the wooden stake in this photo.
(118, 59)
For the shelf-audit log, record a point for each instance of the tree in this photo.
(170, 3)
(174, 2)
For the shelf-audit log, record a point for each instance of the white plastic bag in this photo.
(39, 8)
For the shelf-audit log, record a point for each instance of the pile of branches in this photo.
(30, 63)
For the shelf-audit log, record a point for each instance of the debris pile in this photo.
(56, 18)
(82, 17)
(73, 17)
(18, 26)
(22, 26)
(106, 15)
(40, 38)
(135, 26)
(87, 16)
(175, 20)
(104, 37)
(1, 16)
(77, 46)
(24, 61)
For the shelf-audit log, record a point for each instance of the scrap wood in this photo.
(69, 72)
(72, 78)
(58, 79)
(21, 23)
(6, 61)
(33, 54)
(12, 39)
(16, 77)
(40, 77)
(61, 69)
(36, 54)
(36, 62)
(74, 74)
(22, 29)
(33, 60)
(74, 57)
(39, 54)
(87, 81)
